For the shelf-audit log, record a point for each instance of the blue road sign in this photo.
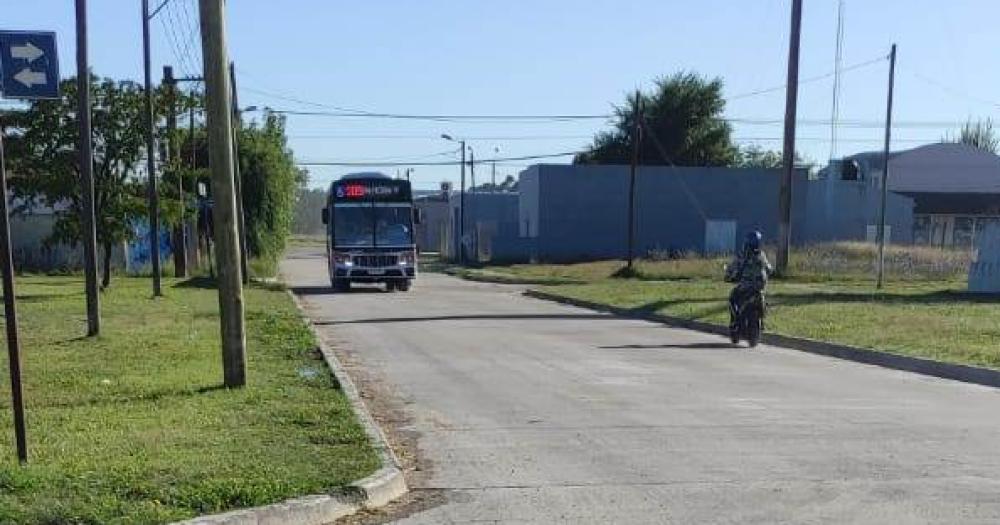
(29, 67)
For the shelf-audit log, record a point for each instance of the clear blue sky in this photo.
(554, 56)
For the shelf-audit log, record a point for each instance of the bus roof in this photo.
(365, 175)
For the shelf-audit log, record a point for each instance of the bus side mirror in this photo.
(418, 216)
(326, 216)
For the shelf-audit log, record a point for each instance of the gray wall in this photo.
(434, 224)
(491, 224)
(581, 210)
(575, 213)
(840, 210)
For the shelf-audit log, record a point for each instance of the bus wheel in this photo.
(403, 286)
(341, 285)
(390, 286)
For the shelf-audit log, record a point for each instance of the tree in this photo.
(271, 182)
(754, 156)
(508, 184)
(979, 134)
(683, 113)
(43, 154)
(308, 209)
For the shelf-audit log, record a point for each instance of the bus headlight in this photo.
(406, 259)
(342, 259)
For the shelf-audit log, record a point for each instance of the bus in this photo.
(369, 220)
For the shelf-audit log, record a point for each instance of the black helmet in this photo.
(753, 242)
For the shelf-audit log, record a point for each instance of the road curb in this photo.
(373, 491)
(918, 365)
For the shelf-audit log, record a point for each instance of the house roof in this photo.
(944, 167)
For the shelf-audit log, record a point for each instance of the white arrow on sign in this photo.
(30, 78)
(26, 52)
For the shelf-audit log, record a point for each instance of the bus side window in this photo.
(418, 216)
(326, 216)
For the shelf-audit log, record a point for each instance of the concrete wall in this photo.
(491, 224)
(840, 210)
(434, 224)
(581, 210)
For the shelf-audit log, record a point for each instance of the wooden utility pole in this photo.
(240, 217)
(219, 124)
(154, 198)
(636, 141)
(885, 170)
(461, 211)
(86, 156)
(193, 247)
(173, 161)
(788, 150)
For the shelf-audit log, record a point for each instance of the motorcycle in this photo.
(749, 323)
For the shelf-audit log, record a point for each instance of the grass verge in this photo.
(829, 295)
(134, 426)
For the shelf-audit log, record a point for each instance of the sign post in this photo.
(29, 69)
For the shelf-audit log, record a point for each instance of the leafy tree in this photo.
(270, 184)
(754, 156)
(508, 184)
(683, 113)
(308, 207)
(979, 134)
(43, 154)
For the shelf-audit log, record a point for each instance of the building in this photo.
(955, 188)
(577, 213)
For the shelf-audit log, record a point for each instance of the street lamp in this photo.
(461, 201)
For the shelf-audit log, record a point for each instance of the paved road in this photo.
(535, 412)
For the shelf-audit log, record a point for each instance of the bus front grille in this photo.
(375, 261)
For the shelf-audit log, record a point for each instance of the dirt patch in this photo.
(388, 408)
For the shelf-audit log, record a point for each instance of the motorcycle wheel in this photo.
(753, 329)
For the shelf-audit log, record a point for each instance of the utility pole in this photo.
(173, 162)
(219, 114)
(473, 237)
(10, 316)
(241, 217)
(636, 141)
(885, 171)
(154, 198)
(788, 153)
(195, 259)
(86, 155)
(493, 174)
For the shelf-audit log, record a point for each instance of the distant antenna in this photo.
(838, 64)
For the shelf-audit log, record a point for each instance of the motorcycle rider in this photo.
(749, 270)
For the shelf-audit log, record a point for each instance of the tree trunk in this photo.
(106, 277)
(180, 262)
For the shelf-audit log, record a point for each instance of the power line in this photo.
(955, 92)
(816, 78)
(442, 163)
(499, 138)
(183, 60)
(441, 118)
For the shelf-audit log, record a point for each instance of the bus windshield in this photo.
(370, 226)
(392, 226)
(353, 226)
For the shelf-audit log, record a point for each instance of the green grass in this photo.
(828, 295)
(133, 426)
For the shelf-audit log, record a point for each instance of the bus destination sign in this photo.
(371, 190)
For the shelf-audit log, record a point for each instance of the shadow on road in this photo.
(480, 317)
(687, 346)
(326, 290)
